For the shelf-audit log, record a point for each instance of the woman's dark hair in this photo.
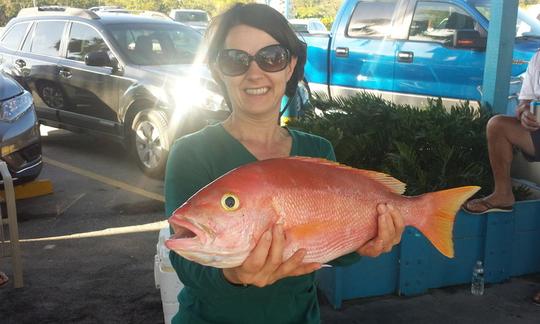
(262, 17)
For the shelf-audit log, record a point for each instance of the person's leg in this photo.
(3, 279)
(502, 132)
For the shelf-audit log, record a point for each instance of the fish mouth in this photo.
(188, 232)
(195, 242)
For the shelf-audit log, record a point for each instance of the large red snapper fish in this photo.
(327, 208)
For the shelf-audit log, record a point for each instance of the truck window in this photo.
(14, 36)
(372, 18)
(437, 21)
(83, 40)
(47, 37)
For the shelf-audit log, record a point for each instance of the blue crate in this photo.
(507, 243)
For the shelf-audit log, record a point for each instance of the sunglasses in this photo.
(234, 62)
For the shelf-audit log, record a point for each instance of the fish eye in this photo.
(230, 202)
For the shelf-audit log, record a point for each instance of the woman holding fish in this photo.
(256, 58)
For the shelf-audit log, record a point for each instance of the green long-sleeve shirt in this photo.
(195, 161)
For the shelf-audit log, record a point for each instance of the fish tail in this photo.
(439, 222)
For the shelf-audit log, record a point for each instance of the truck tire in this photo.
(150, 142)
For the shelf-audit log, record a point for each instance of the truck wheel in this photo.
(150, 142)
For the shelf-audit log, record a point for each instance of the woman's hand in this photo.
(265, 264)
(389, 230)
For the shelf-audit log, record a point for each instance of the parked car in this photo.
(109, 9)
(20, 143)
(533, 11)
(308, 26)
(131, 77)
(152, 14)
(410, 50)
(197, 19)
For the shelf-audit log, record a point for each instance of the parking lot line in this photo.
(105, 180)
(150, 227)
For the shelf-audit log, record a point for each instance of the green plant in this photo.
(429, 148)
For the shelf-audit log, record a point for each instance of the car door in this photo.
(362, 52)
(92, 91)
(427, 64)
(37, 65)
(9, 48)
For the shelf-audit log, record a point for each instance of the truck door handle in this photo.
(342, 51)
(20, 63)
(405, 57)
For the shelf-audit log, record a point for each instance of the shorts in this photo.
(535, 136)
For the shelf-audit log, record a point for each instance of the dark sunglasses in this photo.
(234, 62)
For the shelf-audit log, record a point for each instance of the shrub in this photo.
(429, 149)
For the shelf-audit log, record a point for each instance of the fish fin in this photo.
(438, 226)
(393, 184)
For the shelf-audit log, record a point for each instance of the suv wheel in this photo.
(150, 142)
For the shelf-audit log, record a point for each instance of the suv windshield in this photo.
(157, 44)
(526, 26)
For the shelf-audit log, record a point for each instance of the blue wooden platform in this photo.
(507, 243)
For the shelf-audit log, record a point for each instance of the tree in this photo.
(324, 10)
(10, 8)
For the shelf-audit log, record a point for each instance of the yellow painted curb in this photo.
(31, 189)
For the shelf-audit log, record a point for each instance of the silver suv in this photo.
(131, 77)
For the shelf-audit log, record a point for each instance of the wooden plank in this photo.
(12, 226)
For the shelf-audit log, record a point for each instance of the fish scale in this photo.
(345, 222)
(327, 208)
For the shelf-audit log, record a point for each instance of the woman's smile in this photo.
(256, 91)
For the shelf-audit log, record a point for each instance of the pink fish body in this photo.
(325, 207)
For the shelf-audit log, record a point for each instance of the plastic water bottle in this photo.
(477, 283)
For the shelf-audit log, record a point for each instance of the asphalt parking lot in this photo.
(74, 272)
(88, 252)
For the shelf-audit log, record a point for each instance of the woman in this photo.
(256, 58)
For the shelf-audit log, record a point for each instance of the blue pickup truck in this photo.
(408, 50)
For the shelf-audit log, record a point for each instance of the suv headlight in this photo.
(13, 108)
(189, 95)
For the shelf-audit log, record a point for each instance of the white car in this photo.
(197, 19)
(533, 11)
(308, 26)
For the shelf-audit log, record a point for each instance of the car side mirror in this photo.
(469, 39)
(98, 58)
